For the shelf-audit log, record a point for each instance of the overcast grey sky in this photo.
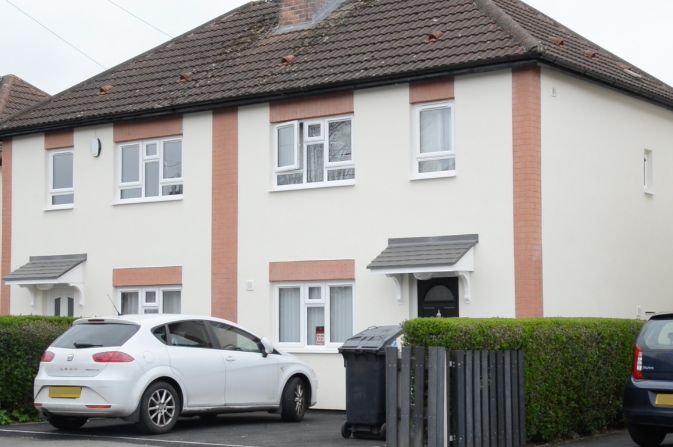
(638, 31)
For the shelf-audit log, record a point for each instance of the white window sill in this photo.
(59, 207)
(649, 192)
(148, 200)
(431, 175)
(309, 350)
(334, 184)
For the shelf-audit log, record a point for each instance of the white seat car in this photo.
(150, 369)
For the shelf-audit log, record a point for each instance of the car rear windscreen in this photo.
(96, 335)
(657, 334)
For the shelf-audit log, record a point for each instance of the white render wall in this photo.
(607, 246)
(114, 236)
(355, 222)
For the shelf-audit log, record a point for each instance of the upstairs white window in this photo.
(61, 191)
(150, 169)
(313, 153)
(150, 300)
(314, 315)
(433, 154)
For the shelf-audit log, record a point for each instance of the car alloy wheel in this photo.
(159, 408)
(293, 402)
(299, 399)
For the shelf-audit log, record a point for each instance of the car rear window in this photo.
(656, 334)
(96, 335)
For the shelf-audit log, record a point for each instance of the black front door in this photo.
(438, 297)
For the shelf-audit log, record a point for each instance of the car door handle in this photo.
(230, 359)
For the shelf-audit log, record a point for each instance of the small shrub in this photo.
(23, 339)
(575, 368)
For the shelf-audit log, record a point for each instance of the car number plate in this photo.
(664, 400)
(65, 392)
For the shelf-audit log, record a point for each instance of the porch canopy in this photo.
(428, 257)
(44, 272)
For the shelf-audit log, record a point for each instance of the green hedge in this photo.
(23, 339)
(575, 368)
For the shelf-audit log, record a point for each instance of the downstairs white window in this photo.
(314, 315)
(313, 153)
(150, 300)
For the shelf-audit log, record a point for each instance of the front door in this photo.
(438, 297)
(61, 302)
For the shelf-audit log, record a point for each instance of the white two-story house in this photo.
(310, 168)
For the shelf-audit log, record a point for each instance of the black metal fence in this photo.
(436, 397)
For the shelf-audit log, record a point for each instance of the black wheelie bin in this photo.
(365, 362)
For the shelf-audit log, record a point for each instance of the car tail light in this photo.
(637, 363)
(112, 357)
(47, 356)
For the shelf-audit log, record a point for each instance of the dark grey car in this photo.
(648, 395)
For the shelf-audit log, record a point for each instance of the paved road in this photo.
(319, 428)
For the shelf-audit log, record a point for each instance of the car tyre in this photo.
(293, 403)
(66, 422)
(159, 409)
(646, 436)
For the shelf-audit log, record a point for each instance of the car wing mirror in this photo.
(267, 346)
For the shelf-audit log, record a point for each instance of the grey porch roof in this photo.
(418, 252)
(46, 267)
(238, 58)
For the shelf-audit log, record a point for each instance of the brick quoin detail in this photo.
(434, 90)
(59, 140)
(526, 153)
(147, 276)
(311, 107)
(341, 269)
(295, 12)
(224, 250)
(6, 263)
(151, 128)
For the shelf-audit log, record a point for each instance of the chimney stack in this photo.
(297, 14)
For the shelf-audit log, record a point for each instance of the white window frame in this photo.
(417, 156)
(142, 303)
(302, 143)
(51, 191)
(142, 161)
(648, 172)
(305, 303)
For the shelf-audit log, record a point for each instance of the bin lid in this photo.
(373, 339)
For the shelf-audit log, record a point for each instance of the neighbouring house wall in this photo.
(160, 234)
(354, 222)
(608, 246)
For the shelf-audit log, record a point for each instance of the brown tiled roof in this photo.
(17, 95)
(238, 58)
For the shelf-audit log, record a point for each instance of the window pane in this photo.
(150, 297)
(57, 307)
(434, 129)
(129, 303)
(315, 326)
(289, 302)
(286, 146)
(445, 164)
(62, 174)
(341, 313)
(171, 190)
(151, 149)
(97, 334)
(315, 293)
(341, 174)
(71, 307)
(314, 130)
(62, 199)
(171, 301)
(315, 167)
(160, 333)
(132, 193)
(289, 179)
(339, 141)
(151, 310)
(131, 163)
(152, 179)
(173, 159)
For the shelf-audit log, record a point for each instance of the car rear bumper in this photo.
(640, 403)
